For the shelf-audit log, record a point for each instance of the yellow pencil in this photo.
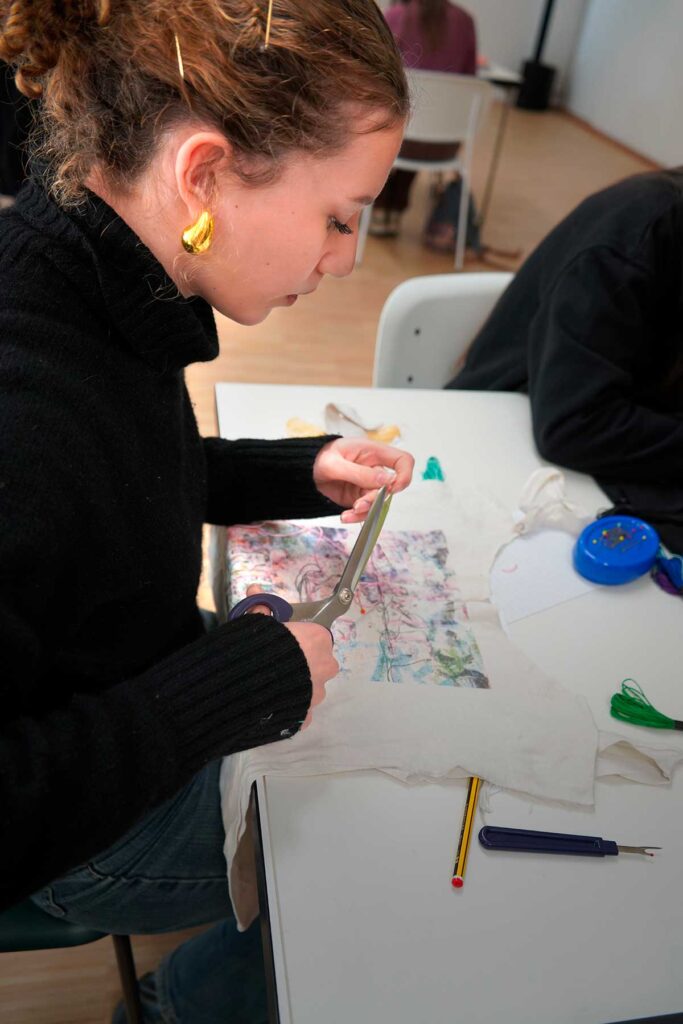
(458, 879)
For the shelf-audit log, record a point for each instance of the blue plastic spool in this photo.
(616, 549)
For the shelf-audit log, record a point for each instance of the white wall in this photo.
(627, 76)
(507, 29)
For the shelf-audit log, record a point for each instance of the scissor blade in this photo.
(365, 542)
(330, 608)
(309, 611)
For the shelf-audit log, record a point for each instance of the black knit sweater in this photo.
(592, 328)
(111, 695)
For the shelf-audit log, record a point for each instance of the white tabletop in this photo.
(365, 925)
(500, 75)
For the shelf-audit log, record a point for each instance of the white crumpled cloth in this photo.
(526, 733)
(544, 504)
(543, 745)
(638, 755)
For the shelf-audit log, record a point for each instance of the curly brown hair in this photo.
(115, 75)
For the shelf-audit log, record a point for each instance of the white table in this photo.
(365, 926)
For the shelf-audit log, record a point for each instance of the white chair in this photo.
(427, 324)
(445, 108)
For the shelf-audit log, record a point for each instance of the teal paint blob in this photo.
(433, 470)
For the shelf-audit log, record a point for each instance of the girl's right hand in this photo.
(316, 643)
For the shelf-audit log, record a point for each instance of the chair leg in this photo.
(466, 175)
(129, 981)
(461, 236)
(363, 226)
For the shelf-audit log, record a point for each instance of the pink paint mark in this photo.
(512, 568)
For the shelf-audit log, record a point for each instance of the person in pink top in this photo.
(432, 35)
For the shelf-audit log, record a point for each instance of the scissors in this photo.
(329, 608)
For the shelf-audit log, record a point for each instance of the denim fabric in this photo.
(168, 873)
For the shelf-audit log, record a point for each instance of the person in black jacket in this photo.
(592, 327)
(202, 156)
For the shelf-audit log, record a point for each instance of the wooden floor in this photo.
(549, 163)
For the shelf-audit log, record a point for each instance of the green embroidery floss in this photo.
(631, 705)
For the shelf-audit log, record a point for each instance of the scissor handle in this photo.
(494, 837)
(281, 609)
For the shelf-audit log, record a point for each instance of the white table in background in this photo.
(365, 927)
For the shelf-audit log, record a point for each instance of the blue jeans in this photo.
(168, 873)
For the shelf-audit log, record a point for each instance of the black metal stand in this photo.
(537, 85)
(537, 78)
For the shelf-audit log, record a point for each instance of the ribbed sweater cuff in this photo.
(275, 477)
(242, 685)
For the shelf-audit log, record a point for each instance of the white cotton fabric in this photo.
(639, 754)
(525, 734)
(638, 758)
(418, 734)
(544, 505)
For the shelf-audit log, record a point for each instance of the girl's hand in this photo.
(350, 471)
(316, 643)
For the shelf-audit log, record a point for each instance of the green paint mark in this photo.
(433, 470)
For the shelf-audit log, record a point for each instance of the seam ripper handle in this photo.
(529, 841)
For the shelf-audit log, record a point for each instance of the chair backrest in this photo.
(445, 107)
(427, 324)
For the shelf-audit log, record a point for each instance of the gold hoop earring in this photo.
(198, 237)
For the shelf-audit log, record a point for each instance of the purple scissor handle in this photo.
(281, 609)
(329, 608)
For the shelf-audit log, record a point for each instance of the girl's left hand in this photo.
(350, 471)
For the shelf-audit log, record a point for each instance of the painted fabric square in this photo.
(407, 624)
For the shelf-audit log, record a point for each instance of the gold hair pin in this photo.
(181, 69)
(104, 12)
(268, 21)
